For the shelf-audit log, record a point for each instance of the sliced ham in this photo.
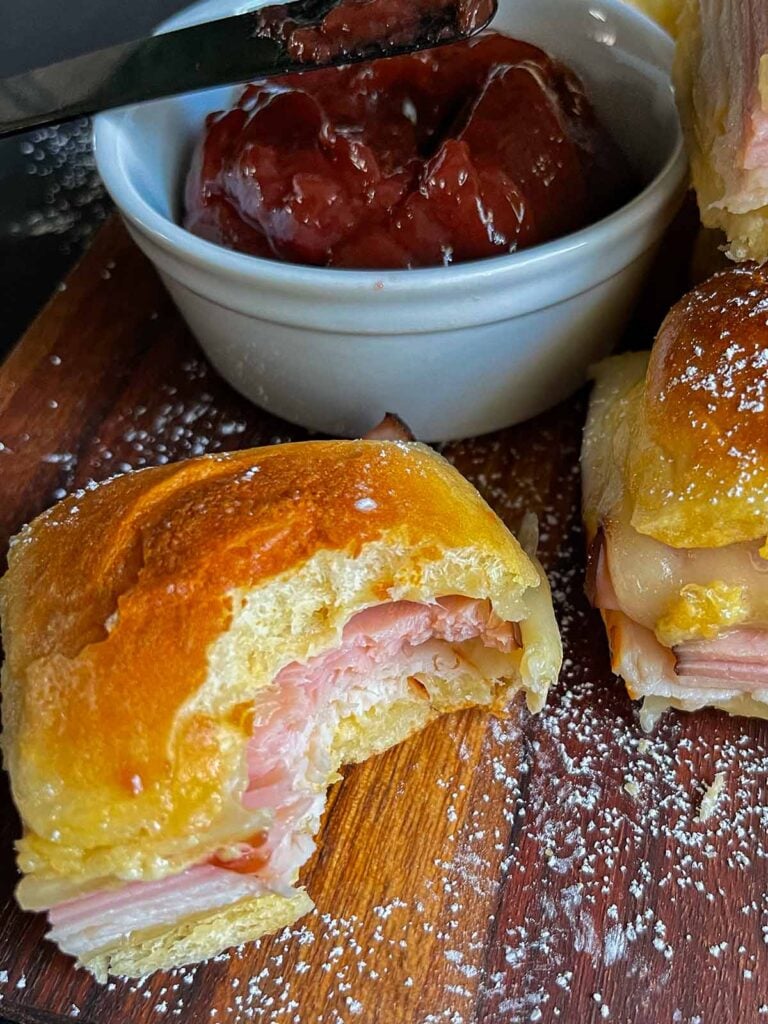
(722, 89)
(739, 656)
(651, 670)
(631, 572)
(599, 586)
(391, 428)
(385, 650)
(737, 88)
(733, 663)
(92, 922)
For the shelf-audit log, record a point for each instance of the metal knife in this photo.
(222, 52)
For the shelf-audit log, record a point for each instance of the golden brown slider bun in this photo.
(143, 617)
(675, 500)
(697, 449)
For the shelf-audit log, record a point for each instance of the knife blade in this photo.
(223, 52)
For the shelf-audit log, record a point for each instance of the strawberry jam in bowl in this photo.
(454, 236)
(459, 153)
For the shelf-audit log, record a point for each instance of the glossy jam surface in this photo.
(453, 154)
(351, 26)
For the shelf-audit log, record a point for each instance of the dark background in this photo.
(50, 196)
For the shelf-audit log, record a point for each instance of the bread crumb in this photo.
(711, 797)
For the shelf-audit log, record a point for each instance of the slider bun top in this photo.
(140, 618)
(697, 462)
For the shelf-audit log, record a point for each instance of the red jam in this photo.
(458, 153)
(351, 26)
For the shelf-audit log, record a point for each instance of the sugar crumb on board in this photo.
(711, 797)
(184, 420)
(72, 199)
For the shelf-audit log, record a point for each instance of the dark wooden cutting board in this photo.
(547, 868)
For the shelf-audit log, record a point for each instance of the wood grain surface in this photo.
(548, 868)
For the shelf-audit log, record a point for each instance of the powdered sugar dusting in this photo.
(63, 157)
(709, 384)
(496, 870)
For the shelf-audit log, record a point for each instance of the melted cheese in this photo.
(701, 611)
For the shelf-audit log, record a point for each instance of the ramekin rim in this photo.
(223, 262)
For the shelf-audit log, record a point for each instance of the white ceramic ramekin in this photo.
(456, 351)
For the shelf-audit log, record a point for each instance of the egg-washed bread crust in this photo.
(692, 439)
(141, 617)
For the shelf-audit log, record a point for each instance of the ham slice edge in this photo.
(289, 761)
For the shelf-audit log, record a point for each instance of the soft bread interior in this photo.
(743, 706)
(290, 618)
(197, 937)
(359, 699)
